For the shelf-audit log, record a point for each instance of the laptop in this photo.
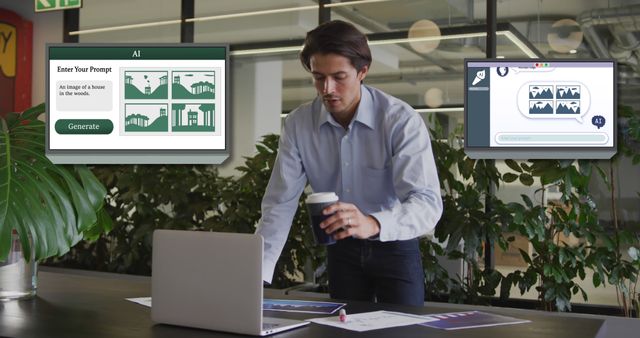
(211, 280)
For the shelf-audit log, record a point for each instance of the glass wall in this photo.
(424, 73)
(418, 48)
(135, 21)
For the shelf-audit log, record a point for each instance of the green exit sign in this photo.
(54, 5)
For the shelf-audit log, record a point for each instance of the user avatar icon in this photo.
(502, 71)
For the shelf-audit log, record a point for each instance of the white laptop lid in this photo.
(207, 280)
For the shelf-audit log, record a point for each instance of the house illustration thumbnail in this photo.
(146, 118)
(191, 85)
(145, 85)
(198, 117)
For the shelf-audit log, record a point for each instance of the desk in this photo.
(91, 304)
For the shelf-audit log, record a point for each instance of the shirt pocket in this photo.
(377, 188)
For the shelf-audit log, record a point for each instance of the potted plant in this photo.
(193, 197)
(44, 208)
(612, 265)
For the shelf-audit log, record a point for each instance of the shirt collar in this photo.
(364, 112)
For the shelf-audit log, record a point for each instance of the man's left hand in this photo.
(351, 220)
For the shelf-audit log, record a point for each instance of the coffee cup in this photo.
(315, 204)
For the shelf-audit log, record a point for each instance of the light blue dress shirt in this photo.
(383, 163)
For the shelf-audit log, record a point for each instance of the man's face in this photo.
(337, 82)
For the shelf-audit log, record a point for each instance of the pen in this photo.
(343, 315)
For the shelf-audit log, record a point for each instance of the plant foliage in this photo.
(143, 198)
(51, 207)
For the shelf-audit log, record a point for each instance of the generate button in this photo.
(81, 126)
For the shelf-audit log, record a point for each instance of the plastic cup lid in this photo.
(322, 197)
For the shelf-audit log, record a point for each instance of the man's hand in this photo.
(347, 216)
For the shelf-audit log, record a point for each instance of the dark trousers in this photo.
(387, 272)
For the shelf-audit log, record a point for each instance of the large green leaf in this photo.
(49, 206)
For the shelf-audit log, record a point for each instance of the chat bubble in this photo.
(86, 95)
(598, 121)
(554, 100)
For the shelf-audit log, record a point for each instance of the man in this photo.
(374, 151)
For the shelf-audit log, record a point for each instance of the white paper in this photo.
(372, 320)
(146, 301)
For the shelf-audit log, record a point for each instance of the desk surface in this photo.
(85, 304)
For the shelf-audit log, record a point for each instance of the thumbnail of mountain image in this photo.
(145, 85)
(540, 92)
(188, 85)
(541, 107)
(568, 92)
(568, 107)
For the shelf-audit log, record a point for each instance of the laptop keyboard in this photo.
(269, 326)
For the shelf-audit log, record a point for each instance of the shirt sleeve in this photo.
(280, 200)
(415, 180)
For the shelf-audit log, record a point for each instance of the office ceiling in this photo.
(409, 74)
(604, 28)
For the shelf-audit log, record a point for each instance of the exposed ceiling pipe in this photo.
(470, 13)
(375, 26)
(621, 22)
(623, 47)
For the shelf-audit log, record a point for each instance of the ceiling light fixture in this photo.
(254, 13)
(279, 10)
(262, 51)
(524, 47)
(221, 17)
(565, 35)
(424, 28)
(125, 27)
(379, 39)
(350, 3)
(434, 97)
(426, 38)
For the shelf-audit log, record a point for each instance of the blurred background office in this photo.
(268, 80)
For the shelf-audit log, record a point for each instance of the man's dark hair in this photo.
(337, 37)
